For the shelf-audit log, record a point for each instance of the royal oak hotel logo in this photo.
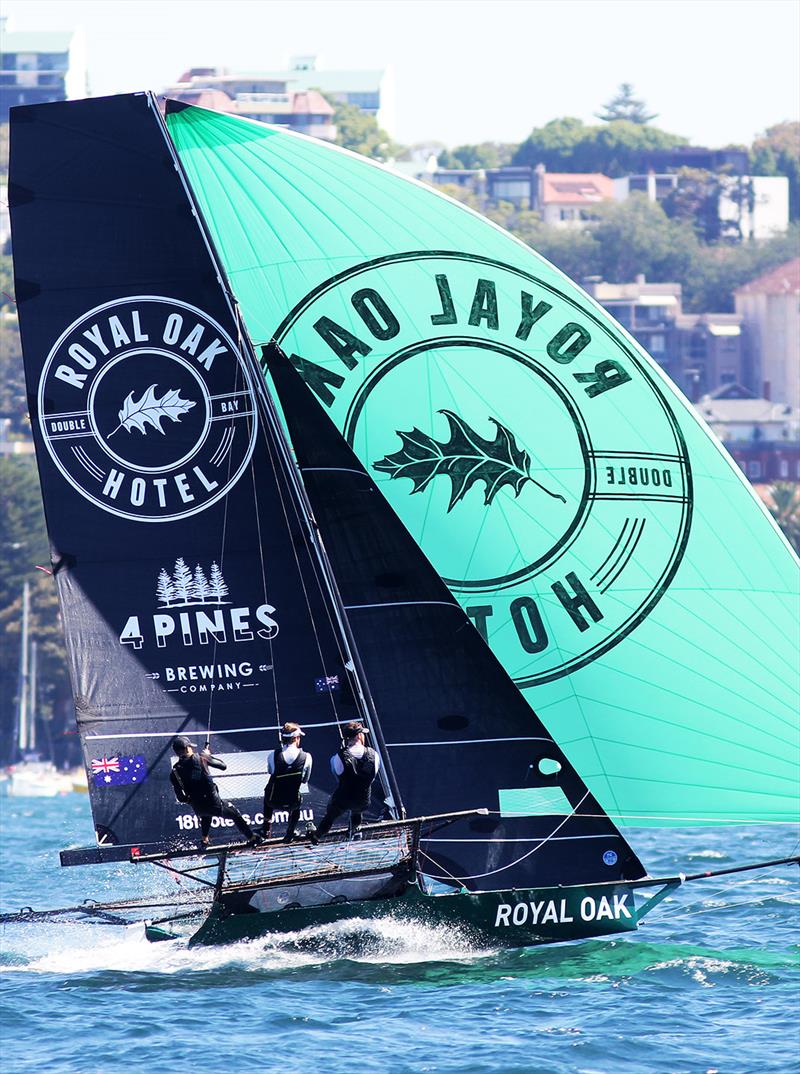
(527, 446)
(147, 408)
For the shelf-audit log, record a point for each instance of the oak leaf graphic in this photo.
(151, 411)
(466, 457)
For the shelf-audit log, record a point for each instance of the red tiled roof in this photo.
(213, 99)
(576, 189)
(311, 102)
(783, 280)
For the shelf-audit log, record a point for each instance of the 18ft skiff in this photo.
(293, 473)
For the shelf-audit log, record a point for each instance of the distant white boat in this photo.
(37, 779)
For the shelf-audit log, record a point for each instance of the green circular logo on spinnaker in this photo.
(526, 446)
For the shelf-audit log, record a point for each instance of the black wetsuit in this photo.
(192, 784)
(283, 790)
(354, 791)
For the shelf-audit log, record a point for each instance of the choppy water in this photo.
(709, 984)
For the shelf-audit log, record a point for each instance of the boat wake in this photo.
(75, 949)
(386, 951)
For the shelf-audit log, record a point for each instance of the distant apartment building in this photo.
(769, 307)
(292, 98)
(761, 435)
(268, 101)
(563, 200)
(755, 206)
(372, 91)
(699, 352)
(40, 67)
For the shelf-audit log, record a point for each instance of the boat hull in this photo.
(518, 918)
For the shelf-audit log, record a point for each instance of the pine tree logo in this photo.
(185, 587)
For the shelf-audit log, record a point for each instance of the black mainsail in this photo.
(457, 731)
(189, 596)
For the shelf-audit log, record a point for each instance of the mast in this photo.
(22, 705)
(33, 697)
(291, 471)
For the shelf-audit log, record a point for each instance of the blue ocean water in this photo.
(709, 984)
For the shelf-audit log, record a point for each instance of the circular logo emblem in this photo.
(610, 857)
(526, 446)
(147, 409)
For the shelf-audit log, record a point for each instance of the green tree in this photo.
(616, 148)
(784, 506)
(23, 546)
(359, 132)
(715, 271)
(13, 401)
(623, 105)
(481, 155)
(636, 236)
(777, 152)
(695, 201)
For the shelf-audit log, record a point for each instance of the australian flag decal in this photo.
(326, 685)
(119, 771)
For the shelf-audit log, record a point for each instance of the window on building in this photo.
(754, 468)
(783, 467)
(697, 346)
(566, 214)
(365, 101)
(727, 378)
(624, 314)
(658, 343)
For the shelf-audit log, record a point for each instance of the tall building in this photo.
(699, 351)
(40, 67)
(770, 308)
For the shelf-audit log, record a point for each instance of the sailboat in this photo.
(290, 474)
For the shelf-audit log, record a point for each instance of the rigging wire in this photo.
(279, 475)
(511, 864)
(685, 909)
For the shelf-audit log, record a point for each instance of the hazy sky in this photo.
(716, 71)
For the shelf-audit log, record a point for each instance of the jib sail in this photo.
(189, 599)
(590, 526)
(457, 731)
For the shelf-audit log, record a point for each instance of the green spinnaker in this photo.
(593, 528)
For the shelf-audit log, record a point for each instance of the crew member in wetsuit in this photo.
(356, 766)
(289, 768)
(192, 784)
